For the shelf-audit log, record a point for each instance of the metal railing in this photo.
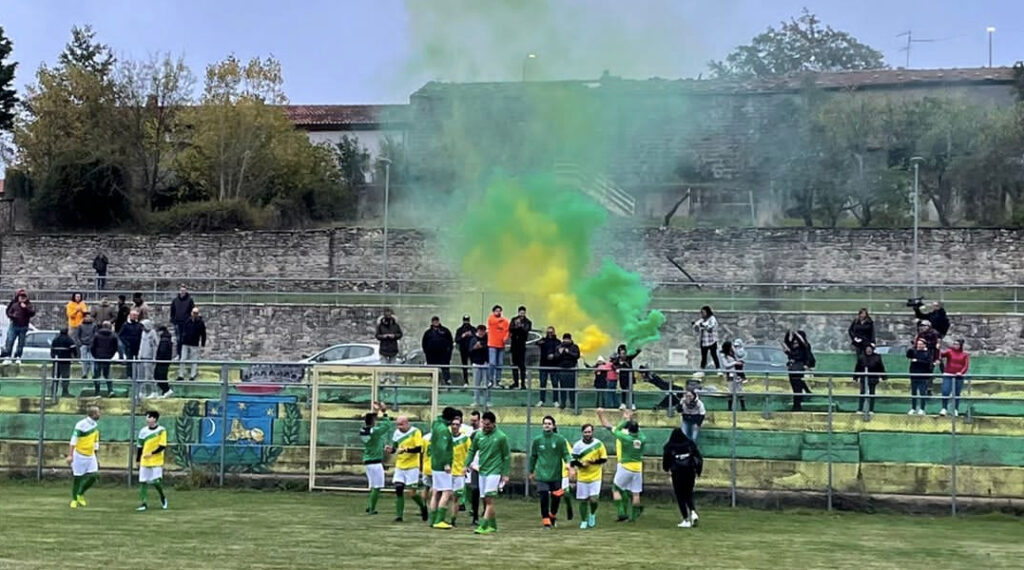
(225, 449)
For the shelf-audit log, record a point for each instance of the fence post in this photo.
(42, 423)
(766, 412)
(529, 441)
(828, 444)
(952, 471)
(732, 452)
(131, 423)
(224, 373)
(669, 409)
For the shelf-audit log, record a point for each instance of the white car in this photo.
(37, 345)
(347, 353)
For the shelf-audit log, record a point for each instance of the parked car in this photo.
(764, 358)
(347, 353)
(416, 356)
(37, 344)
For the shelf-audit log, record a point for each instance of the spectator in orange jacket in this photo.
(497, 335)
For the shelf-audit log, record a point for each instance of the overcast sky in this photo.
(359, 51)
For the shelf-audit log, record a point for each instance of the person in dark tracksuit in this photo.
(519, 332)
(463, 337)
(104, 347)
(548, 347)
(63, 351)
(164, 355)
(800, 358)
(437, 347)
(681, 457)
(568, 359)
(870, 370)
(922, 366)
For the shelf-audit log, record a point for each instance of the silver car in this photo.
(347, 353)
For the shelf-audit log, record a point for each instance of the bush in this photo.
(209, 216)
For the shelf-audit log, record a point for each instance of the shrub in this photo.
(209, 216)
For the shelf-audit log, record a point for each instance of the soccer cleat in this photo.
(546, 523)
(622, 518)
(554, 522)
(583, 525)
(487, 530)
(685, 524)
(398, 519)
(592, 521)
(81, 501)
(163, 504)
(141, 507)
(74, 504)
(441, 525)
(424, 514)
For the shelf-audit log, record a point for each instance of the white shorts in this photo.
(458, 482)
(489, 485)
(627, 480)
(426, 480)
(588, 490)
(442, 481)
(147, 474)
(83, 464)
(565, 483)
(407, 477)
(375, 475)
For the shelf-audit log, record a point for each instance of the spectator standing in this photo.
(800, 358)
(693, 411)
(937, 317)
(76, 310)
(478, 356)
(623, 363)
(519, 331)
(922, 365)
(437, 345)
(20, 312)
(104, 312)
(131, 338)
(123, 308)
(463, 337)
(601, 370)
(140, 306)
(612, 399)
(568, 357)
(861, 331)
(63, 351)
(181, 310)
(681, 457)
(389, 332)
(164, 355)
(83, 336)
(869, 372)
(930, 336)
(548, 354)
(193, 336)
(147, 355)
(732, 377)
(956, 365)
(706, 328)
(99, 264)
(497, 336)
(104, 347)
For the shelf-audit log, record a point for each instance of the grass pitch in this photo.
(227, 529)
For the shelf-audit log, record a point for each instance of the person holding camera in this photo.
(937, 317)
(706, 328)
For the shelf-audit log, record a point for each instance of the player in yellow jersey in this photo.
(407, 445)
(426, 473)
(460, 457)
(588, 456)
(149, 453)
(85, 442)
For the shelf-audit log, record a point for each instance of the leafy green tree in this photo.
(801, 44)
(353, 160)
(8, 96)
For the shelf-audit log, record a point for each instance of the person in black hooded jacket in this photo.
(861, 331)
(437, 347)
(681, 457)
(870, 369)
(463, 338)
(800, 358)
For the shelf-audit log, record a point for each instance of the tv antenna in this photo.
(911, 40)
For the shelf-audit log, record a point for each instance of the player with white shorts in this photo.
(632, 481)
(441, 481)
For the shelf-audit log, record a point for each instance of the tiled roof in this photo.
(894, 78)
(346, 116)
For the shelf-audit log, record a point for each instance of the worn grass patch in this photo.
(227, 529)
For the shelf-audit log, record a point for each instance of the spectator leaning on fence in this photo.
(193, 336)
(693, 412)
(956, 365)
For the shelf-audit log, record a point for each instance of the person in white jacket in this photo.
(147, 355)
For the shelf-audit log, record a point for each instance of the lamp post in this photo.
(916, 161)
(990, 30)
(526, 61)
(387, 199)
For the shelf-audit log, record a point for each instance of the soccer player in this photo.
(375, 430)
(629, 473)
(85, 442)
(461, 440)
(495, 465)
(473, 474)
(588, 456)
(407, 445)
(548, 452)
(150, 455)
(441, 443)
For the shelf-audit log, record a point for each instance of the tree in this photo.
(8, 96)
(83, 51)
(353, 160)
(801, 44)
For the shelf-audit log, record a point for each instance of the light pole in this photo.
(990, 30)
(387, 200)
(526, 61)
(916, 161)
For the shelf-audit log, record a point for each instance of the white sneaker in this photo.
(955, 413)
(694, 518)
(911, 412)
(7, 361)
(167, 394)
(622, 406)
(539, 405)
(920, 412)
(633, 407)
(942, 412)
(685, 524)
(17, 362)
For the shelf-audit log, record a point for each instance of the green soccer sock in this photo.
(620, 506)
(432, 517)
(418, 500)
(440, 515)
(143, 492)
(374, 497)
(593, 507)
(158, 484)
(627, 503)
(637, 511)
(90, 479)
(455, 514)
(400, 505)
(76, 484)
(583, 510)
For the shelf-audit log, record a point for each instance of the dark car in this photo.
(760, 359)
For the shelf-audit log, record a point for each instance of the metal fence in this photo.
(224, 447)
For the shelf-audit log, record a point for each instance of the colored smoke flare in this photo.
(529, 241)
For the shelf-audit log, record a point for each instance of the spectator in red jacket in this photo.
(497, 336)
(956, 363)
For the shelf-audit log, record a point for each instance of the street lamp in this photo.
(526, 61)
(916, 161)
(990, 30)
(387, 199)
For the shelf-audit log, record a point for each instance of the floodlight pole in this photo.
(387, 200)
(916, 161)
